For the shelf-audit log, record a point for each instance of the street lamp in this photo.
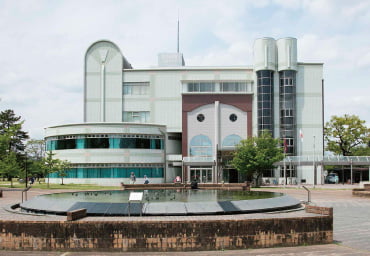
(25, 166)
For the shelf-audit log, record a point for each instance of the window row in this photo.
(110, 173)
(136, 88)
(287, 81)
(235, 86)
(287, 113)
(98, 135)
(287, 132)
(201, 87)
(136, 116)
(104, 143)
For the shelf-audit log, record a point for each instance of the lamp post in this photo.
(25, 166)
(314, 162)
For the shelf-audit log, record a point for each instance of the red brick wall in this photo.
(319, 210)
(165, 235)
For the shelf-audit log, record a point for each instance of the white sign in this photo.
(136, 196)
(325, 173)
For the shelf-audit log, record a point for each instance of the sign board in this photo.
(325, 173)
(136, 196)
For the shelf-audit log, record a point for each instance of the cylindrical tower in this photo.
(265, 66)
(287, 67)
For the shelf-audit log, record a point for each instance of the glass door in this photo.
(201, 174)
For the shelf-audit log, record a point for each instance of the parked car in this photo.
(332, 178)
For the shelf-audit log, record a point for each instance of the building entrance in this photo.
(230, 175)
(202, 174)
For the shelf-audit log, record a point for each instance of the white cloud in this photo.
(43, 45)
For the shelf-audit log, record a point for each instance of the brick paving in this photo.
(351, 223)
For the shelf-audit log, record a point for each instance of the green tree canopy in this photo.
(35, 157)
(345, 135)
(9, 166)
(51, 164)
(9, 121)
(256, 154)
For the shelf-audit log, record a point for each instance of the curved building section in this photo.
(107, 153)
(265, 65)
(287, 54)
(287, 66)
(104, 63)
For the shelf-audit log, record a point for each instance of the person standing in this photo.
(132, 178)
(146, 180)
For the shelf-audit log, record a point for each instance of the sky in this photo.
(43, 44)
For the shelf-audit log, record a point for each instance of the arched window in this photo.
(200, 145)
(231, 140)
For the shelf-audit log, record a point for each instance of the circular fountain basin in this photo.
(161, 202)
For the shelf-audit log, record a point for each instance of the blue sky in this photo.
(43, 45)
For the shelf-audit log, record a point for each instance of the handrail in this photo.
(309, 194)
(25, 192)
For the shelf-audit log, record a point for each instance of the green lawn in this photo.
(43, 185)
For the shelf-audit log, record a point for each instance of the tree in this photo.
(49, 164)
(9, 166)
(256, 154)
(35, 154)
(62, 167)
(35, 149)
(345, 134)
(361, 151)
(8, 160)
(8, 120)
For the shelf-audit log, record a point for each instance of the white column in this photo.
(216, 139)
(102, 93)
(217, 128)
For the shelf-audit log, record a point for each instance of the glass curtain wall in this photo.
(287, 107)
(265, 100)
(86, 173)
(107, 142)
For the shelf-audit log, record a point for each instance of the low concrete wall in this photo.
(361, 192)
(319, 210)
(165, 235)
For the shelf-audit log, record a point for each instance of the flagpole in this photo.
(299, 157)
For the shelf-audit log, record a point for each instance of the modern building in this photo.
(177, 120)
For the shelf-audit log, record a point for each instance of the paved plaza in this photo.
(351, 224)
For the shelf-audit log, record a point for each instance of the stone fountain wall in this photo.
(167, 234)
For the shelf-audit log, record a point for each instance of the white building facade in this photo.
(198, 113)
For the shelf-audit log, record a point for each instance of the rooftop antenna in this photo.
(178, 32)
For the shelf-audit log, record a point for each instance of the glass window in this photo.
(233, 117)
(233, 86)
(207, 87)
(200, 117)
(201, 87)
(136, 116)
(136, 88)
(231, 140)
(200, 145)
(97, 143)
